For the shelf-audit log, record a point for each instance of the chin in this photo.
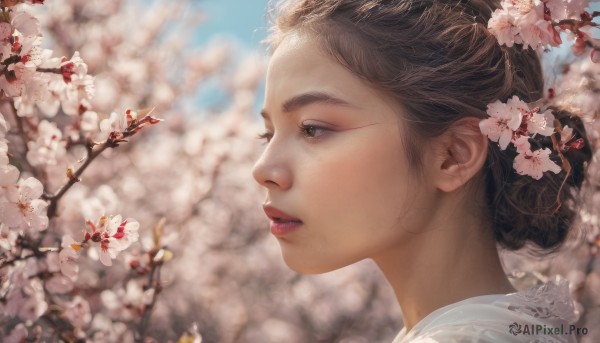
(310, 266)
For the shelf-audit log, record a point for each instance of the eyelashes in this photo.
(305, 130)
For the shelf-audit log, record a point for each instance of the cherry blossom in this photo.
(535, 31)
(503, 26)
(27, 301)
(18, 334)
(541, 123)
(114, 236)
(22, 207)
(48, 147)
(68, 257)
(504, 120)
(78, 312)
(534, 163)
(522, 144)
(536, 23)
(530, 123)
(114, 123)
(126, 303)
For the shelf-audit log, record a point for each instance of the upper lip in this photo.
(275, 213)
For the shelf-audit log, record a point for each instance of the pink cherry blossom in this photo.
(22, 207)
(8, 178)
(20, 73)
(48, 147)
(5, 30)
(516, 104)
(123, 232)
(59, 284)
(120, 235)
(115, 122)
(18, 335)
(541, 123)
(127, 302)
(531, 26)
(27, 302)
(68, 257)
(78, 312)
(25, 23)
(535, 163)
(89, 122)
(114, 236)
(522, 144)
(525, 22)
(501, 124)
(503, 26)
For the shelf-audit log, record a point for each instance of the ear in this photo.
(461, 153)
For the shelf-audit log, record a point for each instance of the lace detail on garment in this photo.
(551, 300)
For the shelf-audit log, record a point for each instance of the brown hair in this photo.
(440, 63)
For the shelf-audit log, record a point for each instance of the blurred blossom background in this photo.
(205, 267)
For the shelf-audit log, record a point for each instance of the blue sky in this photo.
(241, 20)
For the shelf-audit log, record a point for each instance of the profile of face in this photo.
(336, 164)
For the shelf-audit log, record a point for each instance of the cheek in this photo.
(361, 183)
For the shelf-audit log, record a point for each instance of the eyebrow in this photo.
(308, 98)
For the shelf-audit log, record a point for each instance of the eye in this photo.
(268, 135)
(308, 131)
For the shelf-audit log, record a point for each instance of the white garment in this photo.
(491, 318)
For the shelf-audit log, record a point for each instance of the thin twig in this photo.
(91, 155)
(153, 282)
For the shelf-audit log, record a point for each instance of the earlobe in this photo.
(463, 155)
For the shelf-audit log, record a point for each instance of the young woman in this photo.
(375, 150)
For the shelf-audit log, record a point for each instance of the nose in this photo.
(272, 169)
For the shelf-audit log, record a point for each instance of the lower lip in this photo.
(284, 228)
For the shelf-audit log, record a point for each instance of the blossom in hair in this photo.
(503, 122)
(541, 123)
(514, 122)
(535, 163)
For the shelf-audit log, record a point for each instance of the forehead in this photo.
(299, 65)
(298, 60)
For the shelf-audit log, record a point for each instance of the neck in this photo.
(444, 263)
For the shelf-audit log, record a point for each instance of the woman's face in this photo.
(346, 178)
